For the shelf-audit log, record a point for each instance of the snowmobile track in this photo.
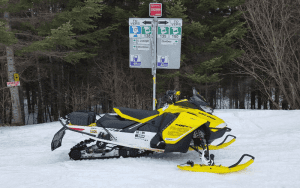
(75, 152)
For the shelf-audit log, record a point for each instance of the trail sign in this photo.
(169, 43)
(140, 42)
(155, 42)
(155, 9)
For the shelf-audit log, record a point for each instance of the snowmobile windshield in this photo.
(200, 102)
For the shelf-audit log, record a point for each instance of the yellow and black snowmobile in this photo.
(175, 127)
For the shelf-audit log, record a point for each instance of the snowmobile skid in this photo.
(176, 127)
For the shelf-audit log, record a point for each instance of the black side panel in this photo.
(168, 118)
(82, 118)
(152, 125)
(106, 117)
(57, 139)
(111, 121)
(138, 114)
(181, 146)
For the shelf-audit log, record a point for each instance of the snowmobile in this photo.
(177, 126)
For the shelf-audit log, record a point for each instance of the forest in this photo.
(73, 55)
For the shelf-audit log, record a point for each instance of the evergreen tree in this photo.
(210, 29)
(7, 38)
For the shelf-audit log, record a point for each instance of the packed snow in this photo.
(271, 136)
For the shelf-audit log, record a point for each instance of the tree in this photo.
(210, 31)
(272, 48)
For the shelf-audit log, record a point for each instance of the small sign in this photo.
(141, 47)
(162, 61)
(16, 77)
(175, 32)
(12, 84)
(141, 41)
(146, 31)
(169, 42)
(135, 31)
(163, 32)
(155, 9)
(135, 60)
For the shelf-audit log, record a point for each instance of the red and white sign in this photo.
(11, 84)
(155, 9)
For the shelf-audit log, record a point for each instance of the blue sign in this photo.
(135, 31)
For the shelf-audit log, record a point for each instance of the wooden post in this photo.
(11, 70)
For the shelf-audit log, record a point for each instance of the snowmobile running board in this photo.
(219, 146)
(190, 166)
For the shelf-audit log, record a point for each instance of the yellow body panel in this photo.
(215, 169)
(214, 120)
(184, 124)
(92, 125)
(134, 119)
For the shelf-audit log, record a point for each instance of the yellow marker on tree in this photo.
(16, 77)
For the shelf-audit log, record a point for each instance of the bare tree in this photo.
(272, 47)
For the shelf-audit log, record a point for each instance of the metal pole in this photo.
(154, 27)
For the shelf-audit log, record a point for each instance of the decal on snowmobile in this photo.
(140, 135)
(77, 129)
(174, 133)
(204, 114)
(113, 129)
(93, 130)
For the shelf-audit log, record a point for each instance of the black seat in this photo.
(113, 121)
(138, 114)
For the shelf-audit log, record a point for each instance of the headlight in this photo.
(222, 125)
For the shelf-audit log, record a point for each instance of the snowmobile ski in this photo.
(219, 146)
(219, 169)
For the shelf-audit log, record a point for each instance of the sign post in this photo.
(155, 42)
(154, 54)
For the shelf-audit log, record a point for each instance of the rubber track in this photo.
(83, 144)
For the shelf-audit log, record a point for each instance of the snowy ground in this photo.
(273, 137)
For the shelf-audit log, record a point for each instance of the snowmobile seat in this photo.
(113, 121)
(138, 114)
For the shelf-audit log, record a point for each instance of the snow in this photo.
(271, 136)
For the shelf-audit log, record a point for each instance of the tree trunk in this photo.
(277, 97)
(176, 82)
(29, 107)
(53, 94)
(41, 106)
(252, 99)
(11, 70)
(259, 102)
